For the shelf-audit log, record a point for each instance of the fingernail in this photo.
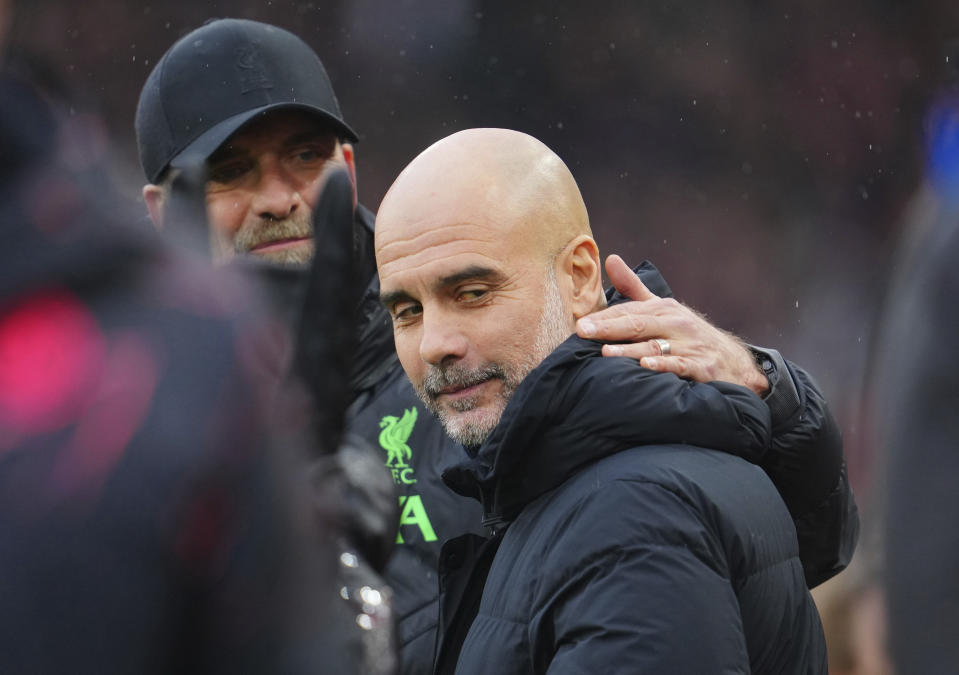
(587, 328)
(649, 362)
(614, 350)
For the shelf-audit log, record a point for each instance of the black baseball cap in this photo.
(219, 77)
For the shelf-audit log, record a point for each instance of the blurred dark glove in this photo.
(325, 334)
(185, 219)
(353, 484)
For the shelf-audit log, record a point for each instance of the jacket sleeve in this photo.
(805, 459)
(658, 601)
(805, 462)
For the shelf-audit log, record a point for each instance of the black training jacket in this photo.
(804, 460)
(620, 546)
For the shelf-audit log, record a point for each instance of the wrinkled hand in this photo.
(697, 350)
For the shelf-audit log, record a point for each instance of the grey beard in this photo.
(555, 325)
(266, 230)
(438, 378)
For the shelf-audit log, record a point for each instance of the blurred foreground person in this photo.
(917, 367)
(619, 543)
(151, 519)
(262, 115)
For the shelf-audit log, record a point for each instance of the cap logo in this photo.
(250, 67)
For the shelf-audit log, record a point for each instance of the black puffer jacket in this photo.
(804, 460)
(615, 548)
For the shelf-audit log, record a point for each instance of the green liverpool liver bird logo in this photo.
(395, 432)
(393, 437)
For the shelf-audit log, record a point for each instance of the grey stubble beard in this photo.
(265, 230)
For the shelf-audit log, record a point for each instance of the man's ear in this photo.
(154, 196)
(350, 160)
(581, 265)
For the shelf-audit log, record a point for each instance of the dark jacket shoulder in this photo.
(805, 457)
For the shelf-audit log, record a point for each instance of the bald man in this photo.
(623, 540)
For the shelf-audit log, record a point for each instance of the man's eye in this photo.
(406, 312)
(471, 294)
(309, 155)
(228, 173)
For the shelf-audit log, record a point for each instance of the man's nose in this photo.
(443, 341)
(277, 194)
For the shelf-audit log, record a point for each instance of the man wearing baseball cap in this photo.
(235, 76)
(254, 103)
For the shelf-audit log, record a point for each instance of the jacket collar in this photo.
(578, 407)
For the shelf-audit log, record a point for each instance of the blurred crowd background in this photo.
(762, 154)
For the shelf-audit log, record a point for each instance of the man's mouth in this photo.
(459, 391)
(459, 387)
(279, 244)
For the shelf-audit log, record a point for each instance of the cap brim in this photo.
(204, 145)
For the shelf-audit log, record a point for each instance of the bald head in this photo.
(486, 260)
(504, 178)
